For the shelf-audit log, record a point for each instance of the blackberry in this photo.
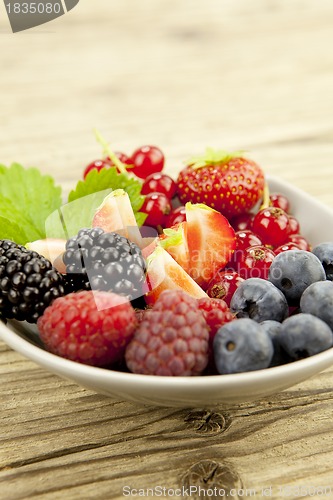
(28, 283)
(97, 260)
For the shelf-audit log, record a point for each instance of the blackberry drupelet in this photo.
(96, 260)
(28, 283)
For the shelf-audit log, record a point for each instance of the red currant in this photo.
(278, 200)
(300, 241)
(147, 160)
(285, 247)
(244, 239)
(160, 183)
(272, 226)
(157, 206)
(294, 227)
(96, 165)
(177, 215)
(224, 285)
(255, 262)
(241, 222)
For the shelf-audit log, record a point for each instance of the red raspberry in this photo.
(89, 327)
(216, 312)
(172, 339)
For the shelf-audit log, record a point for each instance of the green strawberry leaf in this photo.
(108, 179)
(27, 198)
(73, 216)
(213, 157)
(9, 230)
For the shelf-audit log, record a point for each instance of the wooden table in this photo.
(183, 75)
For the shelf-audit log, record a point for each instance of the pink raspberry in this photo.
(216, 313)
(89, 327)
(172, 339)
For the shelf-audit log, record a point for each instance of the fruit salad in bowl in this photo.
(214, 287)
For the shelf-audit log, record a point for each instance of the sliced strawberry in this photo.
(50, 248)
(174, 241)
(149, 248)
(211, 242)
(164, 273)
(116, 214)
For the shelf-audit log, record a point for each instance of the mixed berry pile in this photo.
(227, 284)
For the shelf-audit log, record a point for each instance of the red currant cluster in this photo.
(147, 163)
(259, 238)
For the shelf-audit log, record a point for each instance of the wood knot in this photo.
(206, 422)
(210, 479)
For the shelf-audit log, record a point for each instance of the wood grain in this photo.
(252, 75)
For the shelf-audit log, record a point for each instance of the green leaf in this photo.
(108, 179)
(213, 157)
(27, 198)
(9, 211)
(75, 215)
(140, 218)
(9, 230)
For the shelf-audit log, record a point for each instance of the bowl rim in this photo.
(70, 368)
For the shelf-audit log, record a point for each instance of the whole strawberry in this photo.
(225, 181)
(89, 327)
(172, 339)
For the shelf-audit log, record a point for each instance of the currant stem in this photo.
(265, 198)
(108, 151)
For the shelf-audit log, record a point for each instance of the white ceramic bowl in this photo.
(316, 223)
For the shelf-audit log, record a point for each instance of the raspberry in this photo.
(104, 261)
(172, 339)
(216, 313)
(89, 327)
(28, 283)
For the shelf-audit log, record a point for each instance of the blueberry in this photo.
(241, 346)
(324, 252)
(273, 328)
(259, 300)
(318, 300)
(293, 271)
(304, 335)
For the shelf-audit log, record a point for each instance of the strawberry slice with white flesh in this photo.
(210, 241)
(115, 214)
(174, 241)
(164, 273)
(50, 248)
